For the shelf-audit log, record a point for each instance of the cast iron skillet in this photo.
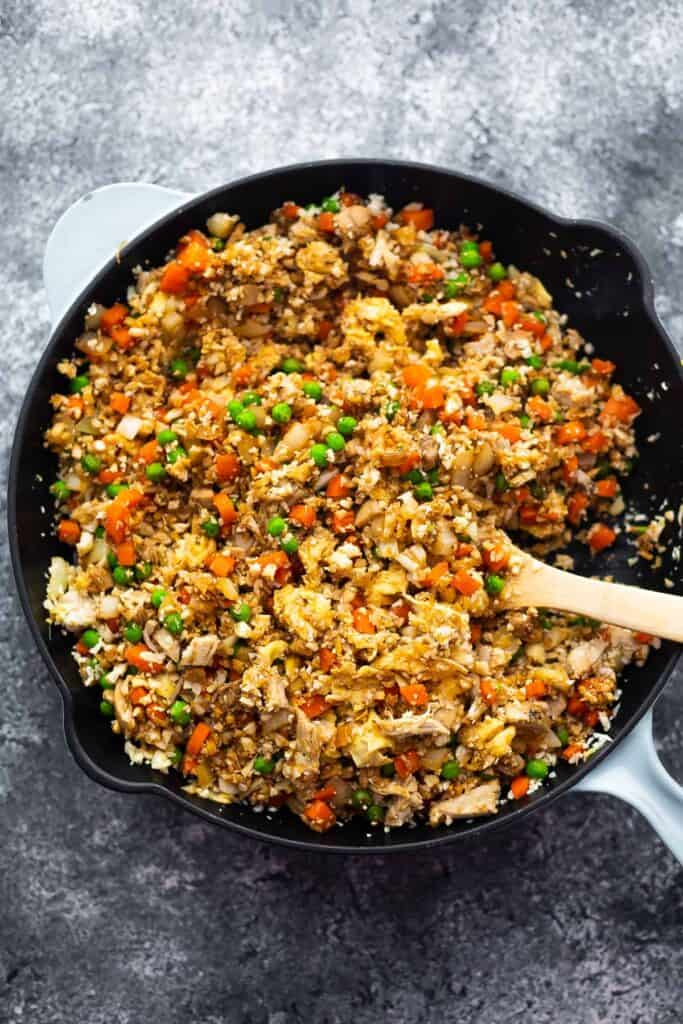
(597, 277)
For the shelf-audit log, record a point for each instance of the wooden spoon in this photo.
(541, 586)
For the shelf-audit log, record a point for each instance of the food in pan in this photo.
(290, 465)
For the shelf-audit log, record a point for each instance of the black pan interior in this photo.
(596, 278)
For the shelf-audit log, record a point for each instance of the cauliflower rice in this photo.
(290, 464)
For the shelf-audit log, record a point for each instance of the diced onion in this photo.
(129, 426)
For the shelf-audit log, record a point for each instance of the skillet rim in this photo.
(207, 813)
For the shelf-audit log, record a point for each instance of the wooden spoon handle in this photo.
(647, 611)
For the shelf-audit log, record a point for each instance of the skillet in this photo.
(596, 276)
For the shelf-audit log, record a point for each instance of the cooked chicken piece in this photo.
(415, 725)
(368, 741)
(353, 221)
(481, 800)
(306, 612)
(582, 657)
(311, 737)
(200, 651)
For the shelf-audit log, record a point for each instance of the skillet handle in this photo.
(633, 772)
(89, 233)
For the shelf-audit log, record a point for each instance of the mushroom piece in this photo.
(473, 804)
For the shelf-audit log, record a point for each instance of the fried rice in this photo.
(290, 465)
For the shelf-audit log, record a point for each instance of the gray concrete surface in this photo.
(128, 910)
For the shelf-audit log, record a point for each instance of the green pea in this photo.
(133, 633)
(536, 769)
(494, 584)
(433, 476)
(176, 757)
(276, 526)
(282, 412)
(536, 362)
(484, 387)
(330, 205)
(497, 272)
(235, 408)
(60, 491)
(142, 571)
(105, 682)
(388, 770)
(114, 489)
(562, 735)
(423, 491)
(90, 638)
(91, 463)
(99, 532)
(470, 256)
(246, 420)
(415, 476)
(312, 389)
(392, 407)
(166, 436)
(289, 544)
(318, 453)
(540, 386)
(122, 575)
(426, 297)
(291, 365)
(240, 612)
(508, 376)
(180, 712)
(524, 420)
(112, 560)
(454, 285)
(278, 294)
(157, 598)
(263, 766)
(176, 454)
(178, 369)
(106, 709)
(541, 317)
(335, 441)
(78, 384)
(174, 624)
(537, 489)
(361, 798)
(375, 814)
(346, 425)
(438, 428)
(450, 770)
(211, 527)
(218, 244)
(155, 472)
(501, 483)
(250, 398)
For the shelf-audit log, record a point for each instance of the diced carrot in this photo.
(76, 404)
(416, 375)
(415, 694)
(597, 442)
(528, 515)
(175, 279)
(622, 409)
(327, 659)
(188, 765)
(108, 476)
(569, 468)
(464, 583)
(120, 403)
(290, 211)
(278, 558)
(488, 691)
(540, 409)
(343, 520)
(140, 656)
(433, 397)
(304, 515)
(337, 487)
(409, 462)
(116, 521)
(198, 738)
(496, 557)
(533, 326)
(475, 633)
(378, 221)
(113, 316)
(125, 553)
(512, 432)
(149, 452)
(137, 694)
(222, 565)
(486, 251)
(319, 813)
(122, 337)
(326, 793)
(194, 255)
(81, 648)
(458, 323)
(591, 718)
(225, 508)
(571, 751)
(519, 787)
(422, 220)
(242, 375)
(424, 272)
(546, 342)
(228, 466)
(606, 488)
(506, 290)
(643, 638)
(475, 421)
(576, 506)
(570, 432)
(601, 536)
(603, 366)
(324, 328)
(314, 706)
(510, 312)
(435, 574)
(362, 621)
(406, 764)
(536, 688)
(326, 222)
(401, 609)
(68, 531)
(576, 707)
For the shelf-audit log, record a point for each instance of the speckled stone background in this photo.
(129, 910)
